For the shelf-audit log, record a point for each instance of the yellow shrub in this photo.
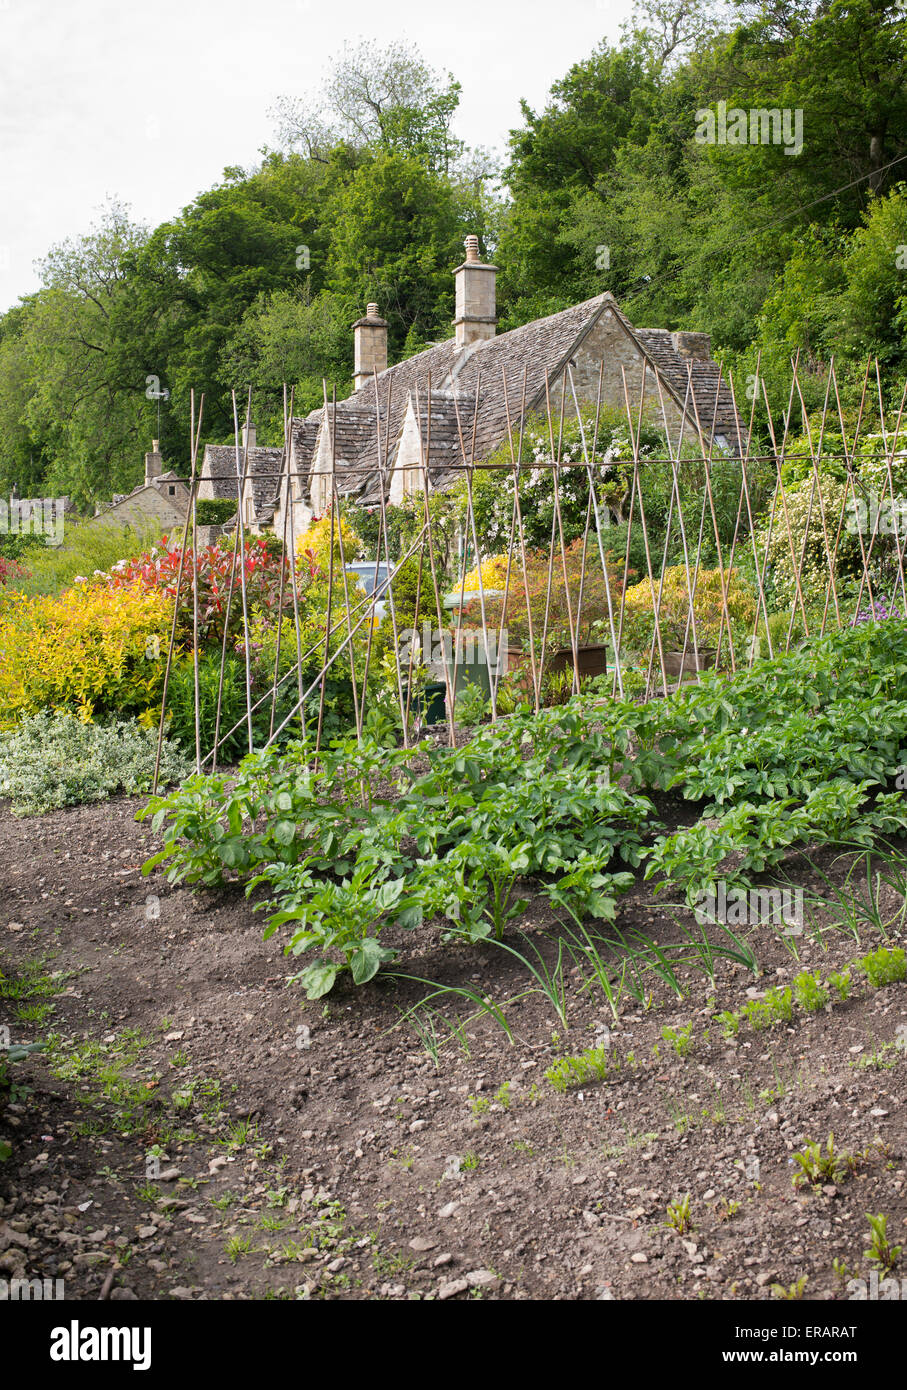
(92, 650)
(494, 574)
(639, 616)
(317, 539)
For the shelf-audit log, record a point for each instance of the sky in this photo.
(147, 101)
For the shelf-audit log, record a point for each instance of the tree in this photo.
(375, 99)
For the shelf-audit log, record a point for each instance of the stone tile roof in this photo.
(707, 381)
(264, 466)
(474, 389)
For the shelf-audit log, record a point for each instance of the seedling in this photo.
(681, 1039)
(679, 1216)
(842, 982)
(595, 1064)
(881, 1253)
(816, 1167)
(810, 993)
(886, 966)
(790, 1292)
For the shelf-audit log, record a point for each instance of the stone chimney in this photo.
(693, 346)
(154, 463)
(476, 300)
(369, 346)
(248, 436)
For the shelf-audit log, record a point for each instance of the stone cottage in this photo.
(452, 401)
(161, 498)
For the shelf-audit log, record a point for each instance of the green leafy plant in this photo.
(881, 1252)
(679, 1215)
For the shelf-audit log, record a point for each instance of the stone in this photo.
(451, 1287)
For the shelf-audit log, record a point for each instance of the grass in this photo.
(87, 546)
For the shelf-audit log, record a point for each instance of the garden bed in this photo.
(349, 1162)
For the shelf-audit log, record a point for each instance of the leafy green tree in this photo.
(377, 99)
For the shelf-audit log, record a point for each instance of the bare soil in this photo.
(199, 1131)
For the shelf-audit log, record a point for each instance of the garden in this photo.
(335, 971)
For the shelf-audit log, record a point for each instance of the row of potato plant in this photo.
(368, 835)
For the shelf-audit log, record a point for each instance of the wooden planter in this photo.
(592, 661)
(679, 664)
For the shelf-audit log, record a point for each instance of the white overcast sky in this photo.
(148, 100)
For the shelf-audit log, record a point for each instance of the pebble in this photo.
(451, 1287)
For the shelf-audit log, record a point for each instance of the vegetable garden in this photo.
(523, 890)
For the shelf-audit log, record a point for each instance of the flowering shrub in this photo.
(879, 611)
(53, 760)
(590, 620)
(493, 572)
(157, 571)
(639, 611)
(315, 543)
(493, 489)
(10, 570)
(92, 650)
(790, 531)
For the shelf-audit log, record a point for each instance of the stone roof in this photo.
(264, 467)
(474, 389)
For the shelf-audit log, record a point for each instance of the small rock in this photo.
(422, 1243)
(482, 1279)
(638, 1258)
(147, 1232)
(441, 1260)
(123, 1296)
(448, 1210)
(451, 1287)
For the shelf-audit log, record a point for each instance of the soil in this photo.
(198, 1130)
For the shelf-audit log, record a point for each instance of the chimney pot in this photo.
(476, 308)
(154, 463)
(369, 346)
